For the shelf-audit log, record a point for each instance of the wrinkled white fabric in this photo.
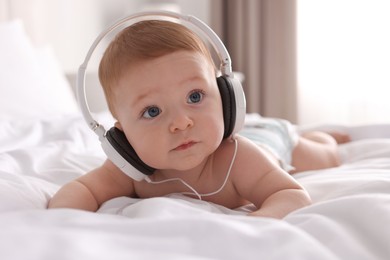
(348, 219)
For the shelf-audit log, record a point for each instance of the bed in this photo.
(45, 143)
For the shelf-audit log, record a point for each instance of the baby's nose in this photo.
(181, 122)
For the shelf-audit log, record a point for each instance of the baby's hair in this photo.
(142, 41)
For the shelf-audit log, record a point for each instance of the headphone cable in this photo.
(194, 192)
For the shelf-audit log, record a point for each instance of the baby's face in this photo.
(170, 110)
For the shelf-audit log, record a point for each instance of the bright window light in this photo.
(344, 61)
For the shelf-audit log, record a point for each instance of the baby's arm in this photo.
(282, 202)
(264, 183)
(92, 189)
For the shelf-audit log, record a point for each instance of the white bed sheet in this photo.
(348, 220)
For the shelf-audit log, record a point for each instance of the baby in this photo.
(160, 84)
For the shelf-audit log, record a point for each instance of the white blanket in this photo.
(349, 218)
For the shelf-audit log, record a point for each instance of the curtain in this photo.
(261, 39)
(4, 10)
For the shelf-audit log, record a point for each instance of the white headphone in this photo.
(114, 142)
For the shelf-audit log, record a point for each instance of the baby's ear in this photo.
(118, 125)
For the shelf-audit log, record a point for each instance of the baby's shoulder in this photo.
(247, 154)
(251, 165)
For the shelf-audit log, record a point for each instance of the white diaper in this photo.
(278, 136)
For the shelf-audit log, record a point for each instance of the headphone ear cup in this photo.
(119, 142)
(228, 104)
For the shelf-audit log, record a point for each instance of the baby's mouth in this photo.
(185, 146)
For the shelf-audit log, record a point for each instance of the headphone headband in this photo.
(226, 68)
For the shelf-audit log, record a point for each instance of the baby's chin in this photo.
(183, 165)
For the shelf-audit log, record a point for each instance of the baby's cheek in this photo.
(215, 131)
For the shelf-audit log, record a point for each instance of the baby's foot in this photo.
(341, 138)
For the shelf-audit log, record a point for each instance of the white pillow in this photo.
(31, 82)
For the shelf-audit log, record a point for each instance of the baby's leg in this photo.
(315, 150)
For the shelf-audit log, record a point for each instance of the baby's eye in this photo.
(151, 112)
(195, 97)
